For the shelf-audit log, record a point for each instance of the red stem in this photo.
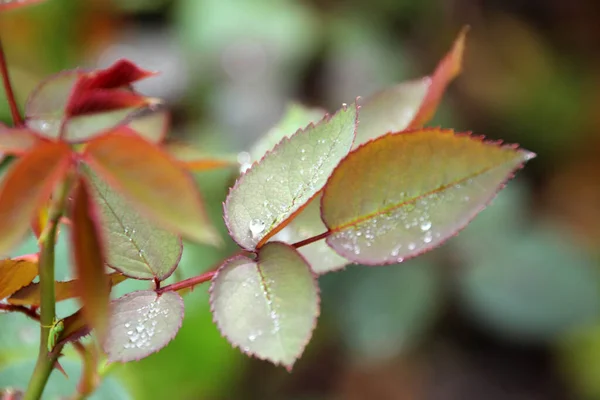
(10, 96)
(22, 309)
(310, 240)
(190, 282)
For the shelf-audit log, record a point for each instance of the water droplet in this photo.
(425, 225)
(256, 227)
(428, 237)
(412, 246)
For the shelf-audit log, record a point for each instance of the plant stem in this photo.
(46, 359)
(10, 96)
(186, 283)
(310, 240)
(22, 309)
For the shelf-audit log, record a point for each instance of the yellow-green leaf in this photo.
(405, 193)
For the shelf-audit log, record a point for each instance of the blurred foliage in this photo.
(508, 309)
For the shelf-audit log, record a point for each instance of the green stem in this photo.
(46, 359)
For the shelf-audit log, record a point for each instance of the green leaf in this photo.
(268, 307)
(151, 123)
(306, 224)
(15, 274)
(273, 190)
(135, 245)
(29, 182)
(405, 193)
(142, 323)
(88, 254)
(295, 117)
(152, 181)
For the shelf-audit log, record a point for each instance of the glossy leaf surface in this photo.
(404, 193)
(134, 244)
(268, 308)
(271, 191)
(88, 255)
(30, 295)
(15, 274)
(26, 185)
(152, 181)
(142, 323)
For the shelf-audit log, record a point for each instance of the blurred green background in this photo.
(508, 309)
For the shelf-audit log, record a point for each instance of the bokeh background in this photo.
(508, 309)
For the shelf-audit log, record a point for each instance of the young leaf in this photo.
(30, 295)
(276, 188)
(9, 4)
(445, 72)
(152, 181)
(150, 123)
(74, 327)
(88, 254)
(142, 323)
(135, 246)
(268, 307)
(103, 100)
(409, 104)
(26, 185)
(14, 274)
(45, 108)
(193, 159)
(405, 193)
(306, 224)
(295, 117)
(121, 74)
(17, 141)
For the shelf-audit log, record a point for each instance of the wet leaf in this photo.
(277, 187)
(142, 323)
(405, 193)
(30, 294)
(89, 258)
(409, 104)
(268, 308)
(306, 224)
(10, 4)
(14, 274)
(27, 184)
(17, 141)
(152, 181)
(296, 116)
(134, 245)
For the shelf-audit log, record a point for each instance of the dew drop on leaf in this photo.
(256, 227)
(425, 226)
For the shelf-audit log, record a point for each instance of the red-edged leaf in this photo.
(17, 141)
(405, 193)
(445, 72)
(26, 185)
(267, 307)
(121, 73)
(14, 274)
(193, 159)
(88, 253)
(142, 323)
(30, 295)
(10, 4)
(411, 103)
(102, 100)
(40, 220)
(152, 181)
